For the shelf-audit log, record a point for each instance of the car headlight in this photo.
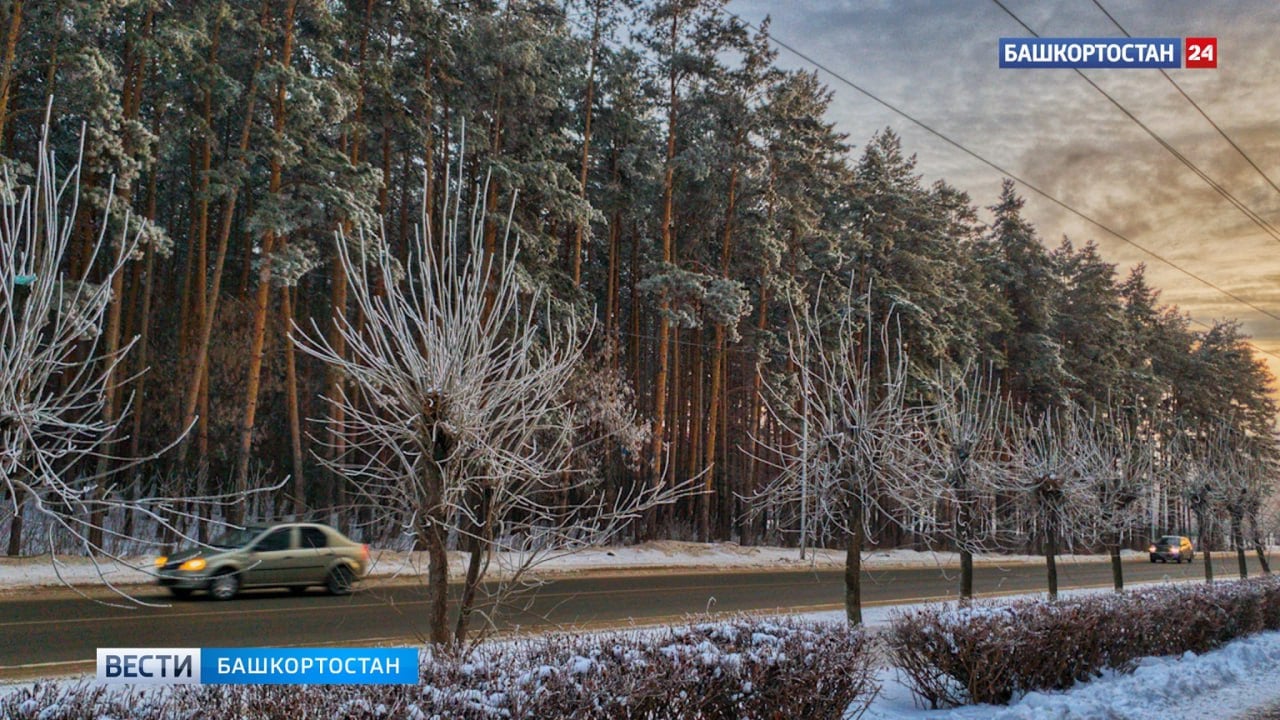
(1175, 551)
(1153, 549)
(160, 561)
(193, 565)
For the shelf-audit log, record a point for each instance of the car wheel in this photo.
(1178, 560)
(339, 580)
(224, 585)
(180, 593)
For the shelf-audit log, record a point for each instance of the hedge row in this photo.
(995, 653)
(743, 668)
(735, 669)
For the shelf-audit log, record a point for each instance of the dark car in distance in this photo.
(292, 555)
(1172, 547)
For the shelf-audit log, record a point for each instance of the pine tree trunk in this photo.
(757, 407)
(729, 510)
(109, 410)
(673, 428)
(694, 434)
(10, 53)
(633, 295)
(717, 354)
(611, 293)
(338, 276)
(428, 156)
(664, 303)
(263, 298)
(200, 366)
(198, 259)
(144, 340)
(295, 417)
(131, 103)
(580, 226)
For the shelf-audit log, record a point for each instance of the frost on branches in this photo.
(59, 371)
(846, 454)
(457, 405)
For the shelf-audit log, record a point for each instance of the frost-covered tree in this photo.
(1244, 480)
(56, 371)
(1115, 452)
(1204, 493)
(964, 455)
(847, 452)
(459, 415)
(1055, 491)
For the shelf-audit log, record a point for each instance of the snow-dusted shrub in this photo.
(995, 653)
(744, 668)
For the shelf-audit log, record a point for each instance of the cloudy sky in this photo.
(938, 61)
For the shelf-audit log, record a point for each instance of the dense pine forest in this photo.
(682, 198)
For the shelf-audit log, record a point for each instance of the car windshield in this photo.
(1168, 541)
(237, 538)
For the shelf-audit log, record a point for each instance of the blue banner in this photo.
(309, 666)
(1087, 53)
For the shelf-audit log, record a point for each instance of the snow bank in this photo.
(1238, 677)
(41, 571)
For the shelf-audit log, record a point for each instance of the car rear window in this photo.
(314, 538)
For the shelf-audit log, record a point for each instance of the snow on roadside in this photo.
(1241, 676)
(40, 571)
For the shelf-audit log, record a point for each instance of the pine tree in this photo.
(1030, 293)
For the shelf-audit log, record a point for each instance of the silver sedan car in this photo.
(292, 555)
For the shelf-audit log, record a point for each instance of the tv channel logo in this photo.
(258, 666)
(1202, 52)
(1087, 53)
(1104, 53)
(149, 666)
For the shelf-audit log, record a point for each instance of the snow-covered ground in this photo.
(1241, 676)
(1226, 683)
(40, 571)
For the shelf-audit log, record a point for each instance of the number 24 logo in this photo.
(1202, 52)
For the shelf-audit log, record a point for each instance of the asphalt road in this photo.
(57, 633)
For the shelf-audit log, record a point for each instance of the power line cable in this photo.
(1196, 105)
(989, 163)
(1006, 172)
(1248, 212)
